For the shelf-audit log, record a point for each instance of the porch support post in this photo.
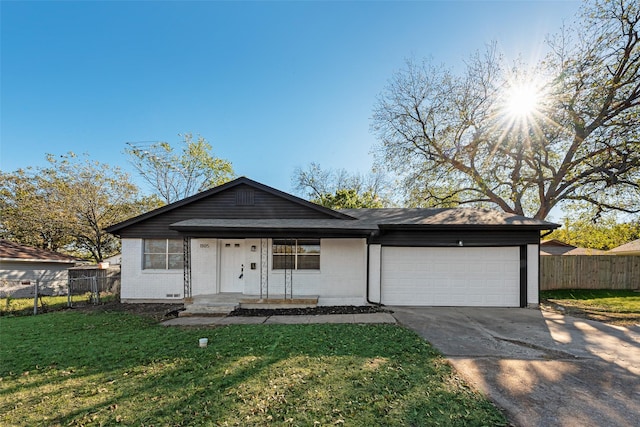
(264, 268)
(288, 273)
(186, 247)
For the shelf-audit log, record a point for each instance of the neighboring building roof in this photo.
(114, 259)
(556, 247)
(555, 242)
(10, 251)
(631, 248)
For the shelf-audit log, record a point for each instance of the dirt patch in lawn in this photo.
(157, 312)
(342, 309)
(161, 312)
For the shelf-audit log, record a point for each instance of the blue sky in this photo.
(271, 85)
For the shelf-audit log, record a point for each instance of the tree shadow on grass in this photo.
(542, 368)
(600, 315)
(248, 374)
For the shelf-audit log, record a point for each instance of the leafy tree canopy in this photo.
(523, 138)
(32, 211)
(605, 233)
(348, 199)
(176, 173)
(66, 205)
(338, 189)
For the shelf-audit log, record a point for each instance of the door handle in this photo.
(241, 272)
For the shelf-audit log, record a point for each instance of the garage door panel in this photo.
(487, 277)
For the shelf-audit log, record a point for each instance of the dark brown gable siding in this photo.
(223, 205)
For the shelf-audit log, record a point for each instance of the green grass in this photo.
(24, 306)
(618, 307)
(614, 301)
(71, 369)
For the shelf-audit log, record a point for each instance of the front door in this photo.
(232, 266)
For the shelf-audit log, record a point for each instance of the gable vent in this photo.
(244, 198)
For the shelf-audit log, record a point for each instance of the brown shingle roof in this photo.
(631, 247)
(369, 220)
(15, 251)
(446, 217)
(556, 247)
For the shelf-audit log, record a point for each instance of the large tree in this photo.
(524, 138)
(32, 211)
(338, 189)
(349, 199)
(66, 205)
(176, 174)
(607, 232)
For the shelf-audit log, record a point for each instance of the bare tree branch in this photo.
(580, 142)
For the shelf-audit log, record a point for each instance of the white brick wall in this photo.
(341, 279)
(147, 285)
(204, 262)
(533, 283)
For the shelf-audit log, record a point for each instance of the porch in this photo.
(224, 303)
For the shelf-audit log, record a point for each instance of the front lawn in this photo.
(71, 368)
(612, 306)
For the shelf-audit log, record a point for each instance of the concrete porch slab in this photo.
(278, 301)
(231, 301)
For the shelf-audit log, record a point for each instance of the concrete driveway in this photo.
(543, 369)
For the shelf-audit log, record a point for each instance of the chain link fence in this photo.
(81, 285)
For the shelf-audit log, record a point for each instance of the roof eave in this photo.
(258, 231)
(487, 227)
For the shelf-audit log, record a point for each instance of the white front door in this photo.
(232, 265)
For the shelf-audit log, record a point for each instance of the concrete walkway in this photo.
(543, 369)
(282, 320)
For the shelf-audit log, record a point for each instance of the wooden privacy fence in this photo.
(589, 272)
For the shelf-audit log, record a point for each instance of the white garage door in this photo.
(484, 277)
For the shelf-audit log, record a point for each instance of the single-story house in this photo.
(245, 237)
(631, 248)
(557, 247)
(113, 260)
(21, 266)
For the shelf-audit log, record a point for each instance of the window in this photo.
(296, 254)
(163, 254)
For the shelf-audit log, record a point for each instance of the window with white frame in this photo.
(163, 254)
(296, 254)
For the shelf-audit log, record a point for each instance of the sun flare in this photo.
(522, 100)
(522, 109)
